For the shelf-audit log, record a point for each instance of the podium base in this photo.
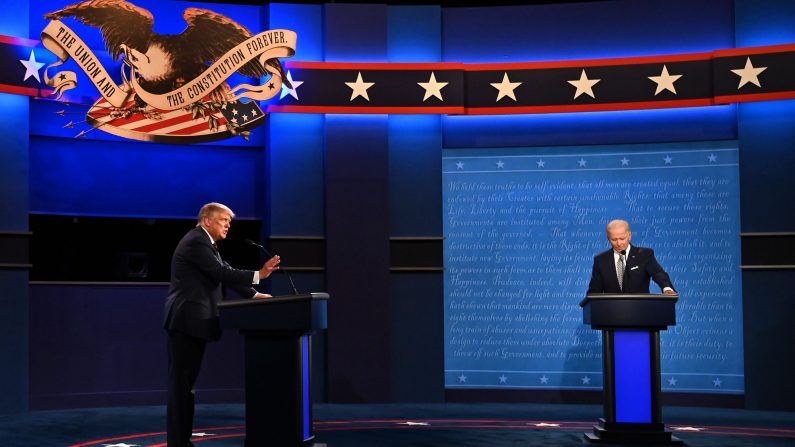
(631, 434)
(309, 442)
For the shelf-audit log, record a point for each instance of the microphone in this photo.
(289, 278)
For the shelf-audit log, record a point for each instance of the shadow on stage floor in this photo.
(393, 425)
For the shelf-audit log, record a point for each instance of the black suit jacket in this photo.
(197, 276)
(641, 267)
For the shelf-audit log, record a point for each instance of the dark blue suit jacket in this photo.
(197, 276)
(641, 267)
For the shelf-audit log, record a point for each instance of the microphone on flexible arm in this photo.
(289, 278)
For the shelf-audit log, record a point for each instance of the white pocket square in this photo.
(633, 268)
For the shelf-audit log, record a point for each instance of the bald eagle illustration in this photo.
(164, 62)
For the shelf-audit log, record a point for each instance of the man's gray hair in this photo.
(212, 208)
(618, 223)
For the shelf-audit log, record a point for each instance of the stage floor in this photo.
(392, 425)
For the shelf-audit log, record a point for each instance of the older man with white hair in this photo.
(625, 267)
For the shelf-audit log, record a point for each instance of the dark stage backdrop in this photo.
(154, 181)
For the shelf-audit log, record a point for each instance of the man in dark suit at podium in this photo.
(626, 268)
(191, 312)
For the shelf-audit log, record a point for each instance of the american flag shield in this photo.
(200, 122)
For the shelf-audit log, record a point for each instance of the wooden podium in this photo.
(278, 364)
(631, 325)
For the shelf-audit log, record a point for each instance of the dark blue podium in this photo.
(278, 364)
(631, 325)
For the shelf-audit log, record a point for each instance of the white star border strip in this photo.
(509, 92)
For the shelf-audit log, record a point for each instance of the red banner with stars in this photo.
(680, 80)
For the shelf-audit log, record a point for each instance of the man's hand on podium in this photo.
(262, 295)
(270, 266)
(670, 291)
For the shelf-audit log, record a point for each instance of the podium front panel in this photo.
(633, 384)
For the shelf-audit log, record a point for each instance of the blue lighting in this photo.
(307, 22)
(632, 353)
(764, 22)
(89, 178)
(610, 127)
(415, 168)
(16, 23)
(355, 33)
(292, 154)
(588, 30)
(305, 374)
(354, 118)
(14, 162)
(414, 33)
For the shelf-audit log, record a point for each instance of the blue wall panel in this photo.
(296, 174)
(295, 147)
(764, 22)
(766, 134)
(767, 312)
(415, 210)
(14, 172)
(357, 257)
(416, 350)
(307, 21)
(635, 126)
(415, 34)
(15, 24)
(128, 179)
(355, 33)
(14, 164)
(767, 158)
(586, 30)
(14, 344)
(357, 219)
(415, 175)
(104, 345)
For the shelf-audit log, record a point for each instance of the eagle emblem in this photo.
(174, 87)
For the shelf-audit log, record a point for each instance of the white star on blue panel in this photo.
(31, 67)
(290, 91)
(541, 163)
(503, 379)
(625, 161)
(544, 379)
(668, 159)
(462, 378)
(459, 165)
(582, 162)
(712, 158)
